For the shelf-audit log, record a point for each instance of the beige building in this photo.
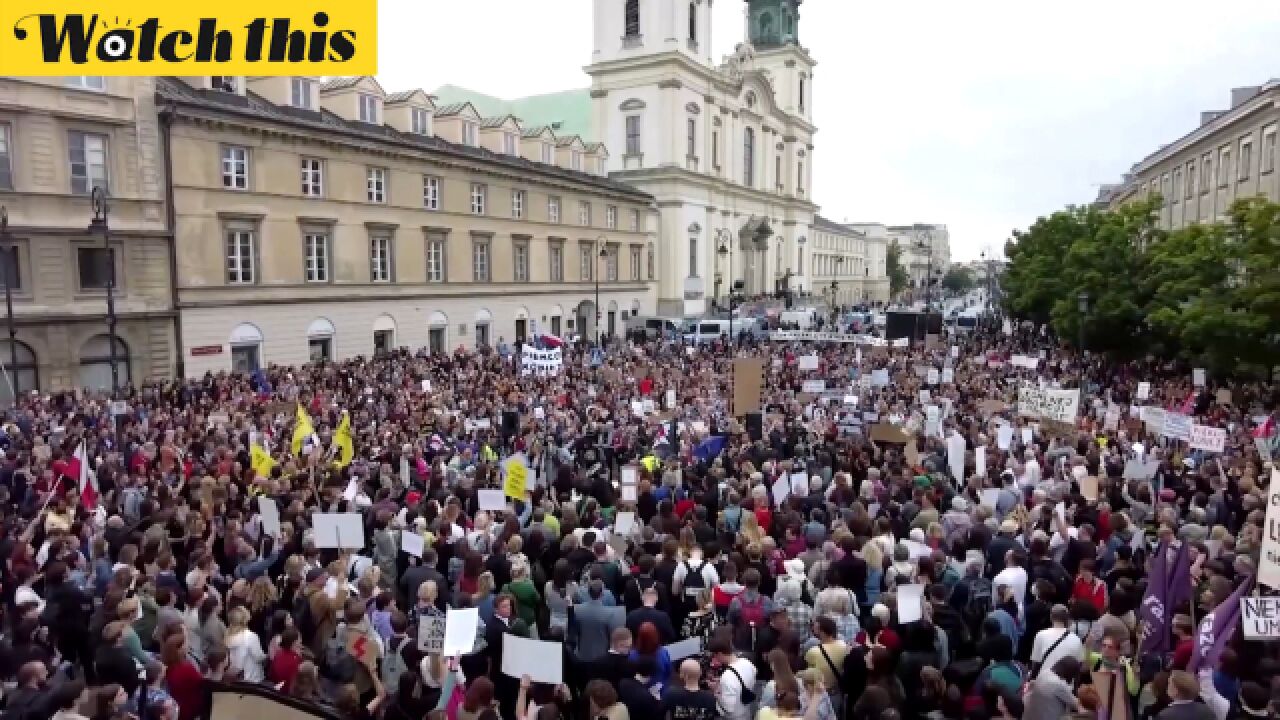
(848, 262)
(926, 248)
(59, 138)
(330, 221)
(1230, 155)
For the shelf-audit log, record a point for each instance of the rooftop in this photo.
(566, 113)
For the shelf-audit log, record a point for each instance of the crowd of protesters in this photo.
(139, 576)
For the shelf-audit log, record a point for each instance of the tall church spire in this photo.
(773, 22)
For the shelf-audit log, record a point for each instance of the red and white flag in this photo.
(87, 480)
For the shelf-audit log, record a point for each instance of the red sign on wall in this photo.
(201, 350)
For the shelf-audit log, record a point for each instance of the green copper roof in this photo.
(566, 113)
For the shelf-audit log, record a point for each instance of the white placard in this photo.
(671, 399)
(1207, 437)
(990, 497)
(1048, 403)
(270, 515)
(910, 603)
(412, 543)
(1176, 426)
(539, 413)
(980, 461)
(460, 632)
(338, 530)
(948, 376)
(431, 629)
(955, 351)
(491, 499)
(1027, 436)
(917, 550)
(1004, 437)
(630, 475)
(685, 648)
(880, 378)
(1197, 377)
(925, 396)
(624, 523)
(955, 456)
(932, 377)
(540, 362)
(1260, 618)
(352, 490)
(781, 490)
(1111, 421)
(814, 387)
(541, 661)
(800, 484)
(1269, 566)
(808, 362)
(629, 493)
(404, 471)
(1144, 390)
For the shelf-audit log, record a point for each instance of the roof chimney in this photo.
(1209, 116)
(1241, 94)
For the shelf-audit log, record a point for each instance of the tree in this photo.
(958, 279)
(898, 278)
(1205, 294)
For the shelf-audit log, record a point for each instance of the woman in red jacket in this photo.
(1089, 588)
(186, 684)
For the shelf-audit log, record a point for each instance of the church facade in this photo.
(725, 148)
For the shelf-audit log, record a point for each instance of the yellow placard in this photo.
(150, 37)
(517, 475)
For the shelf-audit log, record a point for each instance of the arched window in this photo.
(95, 363)
(693, 23)
(20, 363)
(749, 157)
(632, 18)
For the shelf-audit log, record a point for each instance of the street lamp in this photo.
(10, 267)
(99, 226)
(726, 250)
(602, 252)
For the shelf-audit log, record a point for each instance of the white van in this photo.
(706, 330)
(803, 318)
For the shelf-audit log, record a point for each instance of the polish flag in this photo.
(1266, 429)
(79, 469)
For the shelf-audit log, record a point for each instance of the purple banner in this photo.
(1217, 629)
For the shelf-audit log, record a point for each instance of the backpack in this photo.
(393, 665)
(979, 604)
(337, 664)
(303, 619)
(694, 583)
(750, 617)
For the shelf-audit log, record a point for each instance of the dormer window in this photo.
(369, 109)
(509, 143)
(223, 83)
(301, 92)
(469, 133)
(547, 153)
(575, 160)
(419, 121)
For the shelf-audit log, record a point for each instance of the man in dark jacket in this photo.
(420, 573)
(113, 662)
(67, 613)
(31, 699)
(648, 612)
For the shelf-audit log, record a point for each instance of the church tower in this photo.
(626, 29)
(771, 23)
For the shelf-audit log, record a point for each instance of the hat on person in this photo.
(1009, 526)
(916, 535)
(923, 481)
(959, 504)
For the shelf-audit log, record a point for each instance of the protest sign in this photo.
(748, 381)
(460, 631)
(989, 497)
(431, 633)
(1207, 437)
(1260, 618)
(338, 530)
(1269, 565)
(879, 378)
(1048, 403)
(624, 523)
(932, 377)
(980, 461)
(1112, 419)
(491, 499)
(781, 490)
(1176, 426)
(540, 362)
(1144, 390)
(412, 543)
(955, 456)
(516, 482)
(815, 387)
(808, 362)
(270, 515)
(1004, 437)
(948, 375)
(683, 649)
(1197, 377)
(541, 661)
(910, 603)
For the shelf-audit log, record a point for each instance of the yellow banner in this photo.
(517, 476)
(150, 37)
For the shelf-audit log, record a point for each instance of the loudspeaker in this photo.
(755, 425)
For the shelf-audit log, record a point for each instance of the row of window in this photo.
(94, 271)
(242, 253)
(95, 365)
(1182, 181)
(235, 176)
(633, 147)
(87, 160)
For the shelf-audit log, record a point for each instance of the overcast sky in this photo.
(981, 115)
